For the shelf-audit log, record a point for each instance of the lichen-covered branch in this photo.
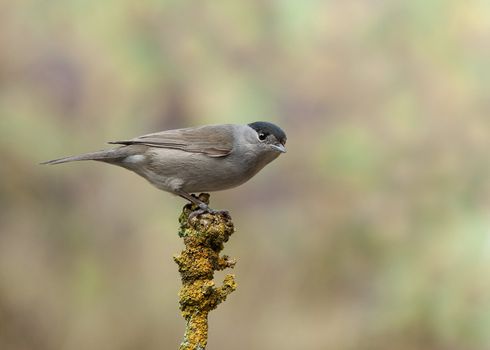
(203, 236)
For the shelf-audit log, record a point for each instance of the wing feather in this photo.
(212, 140)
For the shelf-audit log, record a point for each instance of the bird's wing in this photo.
(211, 140)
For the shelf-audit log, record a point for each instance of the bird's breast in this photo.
(170, 170)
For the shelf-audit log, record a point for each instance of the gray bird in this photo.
(200, 159)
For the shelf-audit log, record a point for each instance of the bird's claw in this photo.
(203, 208)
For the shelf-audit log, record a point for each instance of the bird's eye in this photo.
(262, 136)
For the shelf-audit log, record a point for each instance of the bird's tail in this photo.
(106, 155)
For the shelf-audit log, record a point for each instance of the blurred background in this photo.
(372, 232)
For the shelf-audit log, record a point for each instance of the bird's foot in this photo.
(203, 208)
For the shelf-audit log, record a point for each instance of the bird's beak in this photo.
(279, 148)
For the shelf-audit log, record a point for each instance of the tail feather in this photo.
(100, 155)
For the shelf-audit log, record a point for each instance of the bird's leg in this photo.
(203, 207)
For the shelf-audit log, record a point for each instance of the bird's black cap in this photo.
(269, 128)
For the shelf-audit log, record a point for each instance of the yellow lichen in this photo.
(203, 236)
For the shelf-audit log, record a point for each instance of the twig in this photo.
(204, 236)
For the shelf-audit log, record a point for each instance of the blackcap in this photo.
(200, 159)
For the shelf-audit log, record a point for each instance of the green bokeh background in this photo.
(372, 232)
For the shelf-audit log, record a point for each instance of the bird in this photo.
(206, 158)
